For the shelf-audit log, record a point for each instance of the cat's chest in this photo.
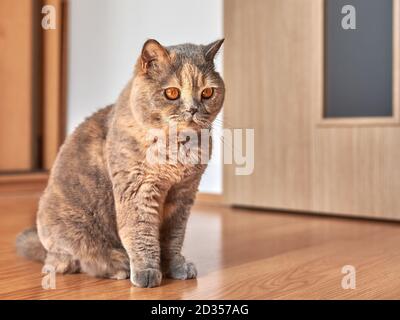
(171, 174)
(176, 167)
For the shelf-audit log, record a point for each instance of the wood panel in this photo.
(274, 74)
(23, 183)
(267, 70)
(209, 198)
(355, 166)
(16, 85)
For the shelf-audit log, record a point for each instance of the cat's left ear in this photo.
(212, 49)
(154, 55)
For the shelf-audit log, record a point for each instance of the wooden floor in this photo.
(240, 254)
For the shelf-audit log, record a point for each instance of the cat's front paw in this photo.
(146, 278)
(182, 271)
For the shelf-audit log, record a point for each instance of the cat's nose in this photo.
(193, 110)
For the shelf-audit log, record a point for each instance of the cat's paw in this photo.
(118, 265)
(119, 275)
(146, 278)
(118, 260)
(182, 271)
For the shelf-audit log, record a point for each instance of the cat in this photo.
(108, 212)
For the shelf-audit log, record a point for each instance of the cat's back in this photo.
(80, 169)
(79, 191)
(84, 147)
(94, 127)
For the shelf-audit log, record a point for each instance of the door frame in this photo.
(394, 120)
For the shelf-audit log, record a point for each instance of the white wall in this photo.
(106, 38)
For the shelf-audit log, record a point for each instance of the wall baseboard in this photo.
(36, 183)
(209, 198)
(23, 182)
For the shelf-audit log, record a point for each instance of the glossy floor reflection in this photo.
(240, 254)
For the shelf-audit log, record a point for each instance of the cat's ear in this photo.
(153, 55)
(212, 49)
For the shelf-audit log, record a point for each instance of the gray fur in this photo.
(29, 246)
(106, 211)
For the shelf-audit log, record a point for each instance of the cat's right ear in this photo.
(212, 49)
(153, 56)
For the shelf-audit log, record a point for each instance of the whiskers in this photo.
(174, 118)
(204, 123)
(223, 123)
(188, 121)
(226, 140)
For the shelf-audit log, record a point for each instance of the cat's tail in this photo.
(29, 246)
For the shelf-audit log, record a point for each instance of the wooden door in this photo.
(18, 50)
(32, 85)
(274, 68)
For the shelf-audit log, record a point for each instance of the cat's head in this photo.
(177, 84)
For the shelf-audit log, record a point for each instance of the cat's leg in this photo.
(138, 225)
(174, 264)
(111, 263)
(82, 247)
(176, 212)
(62, 262)
(118, 266)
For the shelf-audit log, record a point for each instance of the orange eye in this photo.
(207, 93)
(172, 93)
